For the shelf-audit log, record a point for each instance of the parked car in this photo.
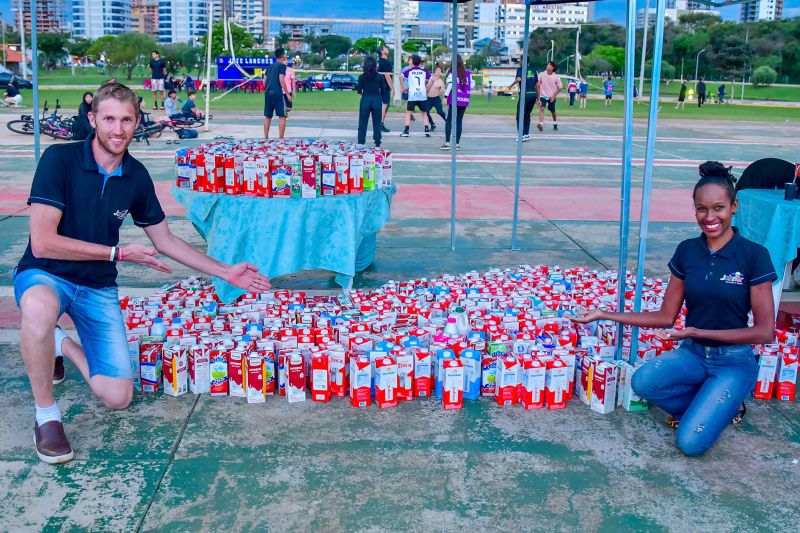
(20, 82)
(342, 82)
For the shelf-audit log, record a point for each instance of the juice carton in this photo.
(507, 380)
(386, 381)
(280, 178)
(341, 165)
(472, 373)
(356, 175)
(320, 378)
(765, 384)
(218, 370)
(369, 172)
(360, 377)
(533, 383)
(134, 343)
(309, 177)
(256, 370)
(175, 367)
(423, 381)
(199, 372)
(405, 374)
(295, 379)
(786, 382)
(488, 374)
(150, 365)
(237, 380)
(338, 369)
(270, 378)
(626, 396)
(453, 383)
(438, 369)
(604, 387)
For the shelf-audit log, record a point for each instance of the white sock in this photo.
(60, 337)
(48, 414)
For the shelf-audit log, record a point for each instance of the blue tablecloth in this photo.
(766, 218)
(287, 235)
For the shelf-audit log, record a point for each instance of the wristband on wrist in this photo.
(113, 255)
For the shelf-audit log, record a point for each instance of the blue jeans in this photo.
(97, 317)
(702, 387)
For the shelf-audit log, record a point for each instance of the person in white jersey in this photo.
(416, 82)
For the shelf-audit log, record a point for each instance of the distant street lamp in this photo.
(696, 67)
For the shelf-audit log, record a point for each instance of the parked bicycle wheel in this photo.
(24, 127)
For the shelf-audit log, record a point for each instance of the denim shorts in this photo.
(97, 317)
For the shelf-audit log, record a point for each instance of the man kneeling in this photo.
(81, 194)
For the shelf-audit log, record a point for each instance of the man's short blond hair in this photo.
(116, 91)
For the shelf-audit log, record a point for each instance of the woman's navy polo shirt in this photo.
(93, 207)
(717, 284)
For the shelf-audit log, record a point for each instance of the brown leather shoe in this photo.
(58, 371)
(51, 442)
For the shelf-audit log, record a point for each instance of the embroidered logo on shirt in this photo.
(733, 279)
(121, 214)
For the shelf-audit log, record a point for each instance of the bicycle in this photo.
(52, 125)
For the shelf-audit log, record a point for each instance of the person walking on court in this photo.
(463, 84)
(435, 91)
(701, 92)
(528, 101)
(681, 96)
(385, 70)
(608, 90)
(572, 89)
(275, 94)
(549, 87)
(583, 89)
(370, 86)
(416, 82)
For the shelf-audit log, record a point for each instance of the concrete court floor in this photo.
(199, 463)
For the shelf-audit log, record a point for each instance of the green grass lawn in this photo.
(339, 101)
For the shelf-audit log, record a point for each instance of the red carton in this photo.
(320, 378)
(386, 382)
(263, 177)
(405, 374)
(453, 384)
(765, 384)
(218, 370)
(507, 380)
(150, 366)
(786, 378)
(423, 381)
(356, 175)
(360, 377)
(250, 183)
(232, 180)
(604, 387)
(309, 177)
(338, 370)
(256, 383)
(533, 383)
(175, 370)
(342, 167)
(280, 177)
(295, 378)
(199, 371)
(237, 382)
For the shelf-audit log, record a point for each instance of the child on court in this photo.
(583, 88)
(608, 89)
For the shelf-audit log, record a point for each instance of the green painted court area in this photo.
(201, 463)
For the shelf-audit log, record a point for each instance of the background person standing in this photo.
(275, 94)
(528, 100)
(158, 73)
(416, 83)
(701, 92)
(435, 91)
(385, 70)
(370, 86)
(463, 87)
(549, 87)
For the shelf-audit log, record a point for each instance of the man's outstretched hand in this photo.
(143, 255)
(246, 276)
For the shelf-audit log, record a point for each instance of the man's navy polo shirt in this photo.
(93, 207)
(717, 284)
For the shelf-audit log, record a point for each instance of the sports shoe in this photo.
(526, 138)
(51, 443)
(458, 147)
(384, 129)
(445, 146)
(540, 126)
(427, 131)
(555, 127)
(405, 133)
(433, 127)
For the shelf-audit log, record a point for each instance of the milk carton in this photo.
(237, 380)
(320, 378)
(270, 375)
(218, 370)
(256, 370)
(369, 172)
(199, 370)
(280, 178)
(295, 379)
(786, 382)
(338, 369)
(472, 373)
(175, 368)
(488, 374)
(356, 175)
(150, 365)
(584, 385)
(341, 164)
(453, 383)
(310, 178)
(507, 380)
(441, 355)
(386, 178)
(328, 182)
(405, 374)
(386, 381)
(626, 396)
(604, 387)
(533, 383)
(423, 372)
(556, 385)
(765, 383)
(602, 352)
(360, 378)
(134, 344)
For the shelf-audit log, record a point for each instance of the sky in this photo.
(611, 9)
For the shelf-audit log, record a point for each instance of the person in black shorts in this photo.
(701, 92)
(158, 73)
(529, 101)
(681, 96)
(385, 70)
(276, 92)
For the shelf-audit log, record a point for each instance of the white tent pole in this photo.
(520, 114)
(209, 36)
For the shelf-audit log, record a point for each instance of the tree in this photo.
(334, 45)
(282, 39)
(313, 60)
(441, 53)
(415, 46)
(241, 39)
(476, 62)
(79, 47)
(764, 76)
(612, 55)
(694, 21)
(130, 50)
(368, 45)
(596, 64)
(102, 46)
(180, 55)
(332, 64)
(310, 38)
(52, 46)
(667, 70)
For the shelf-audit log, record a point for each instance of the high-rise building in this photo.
(49, 15)
(144, 17)
(249, 14)
(182, 21)
(512, 14)
(674, 9)
(409, 14)
(94, 18)
(761, 10)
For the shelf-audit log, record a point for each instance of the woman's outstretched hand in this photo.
(587, 315)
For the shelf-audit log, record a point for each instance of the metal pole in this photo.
(22, 41)
(746, 39)
(3, 25)
(577, 53)
(644, 47)
(35, 69)
(397, 57)
(627, 149)
(209, 35)
(697, 68)
(520, 111)
(453, 130)
(644, 221)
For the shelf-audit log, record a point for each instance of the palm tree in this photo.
(310, 38)
(282, 39)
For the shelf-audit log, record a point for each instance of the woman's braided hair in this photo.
(715, 173)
